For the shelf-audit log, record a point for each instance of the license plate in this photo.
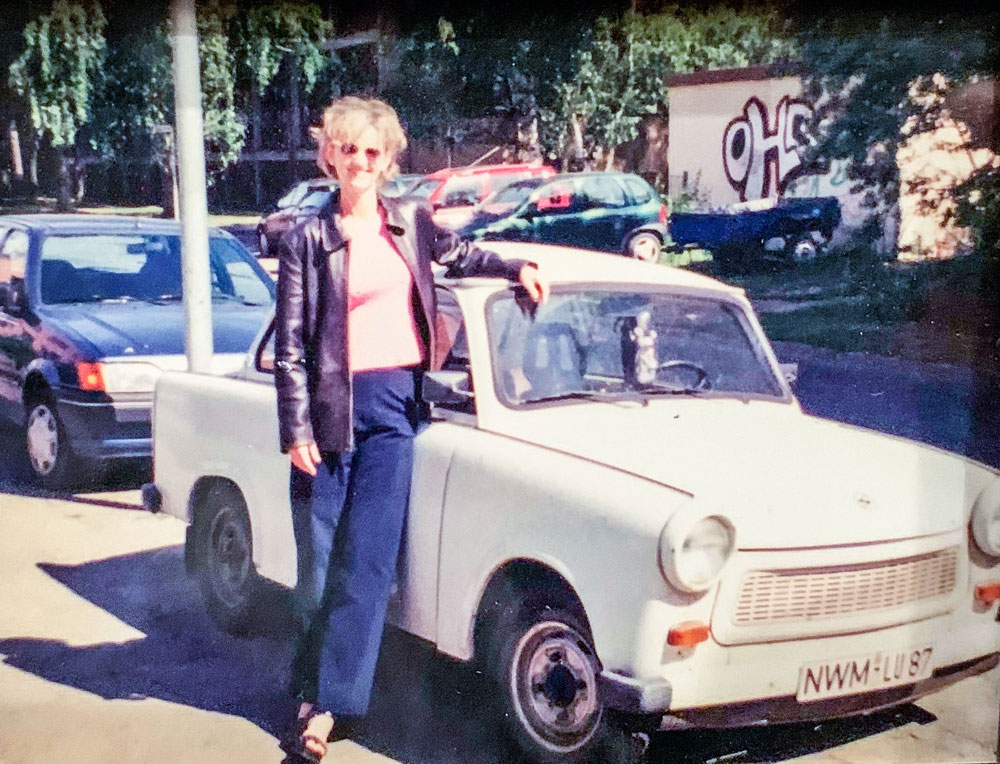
(866, 673)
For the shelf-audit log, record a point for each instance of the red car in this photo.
(453, 191)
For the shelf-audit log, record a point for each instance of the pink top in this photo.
(382, 332)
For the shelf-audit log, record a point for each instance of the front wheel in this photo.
(223, 559)
(52, 461)
(546, 672)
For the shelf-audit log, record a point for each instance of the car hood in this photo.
(784, 478)
(112, 329)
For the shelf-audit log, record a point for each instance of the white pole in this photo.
(193, 203)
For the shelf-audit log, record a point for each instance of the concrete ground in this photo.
(107, 656)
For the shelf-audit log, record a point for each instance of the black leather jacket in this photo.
(312, 375)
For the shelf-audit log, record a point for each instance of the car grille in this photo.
(774, 596)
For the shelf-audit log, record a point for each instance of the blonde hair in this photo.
(347, 117)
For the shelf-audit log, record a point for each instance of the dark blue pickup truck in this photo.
(792, 230)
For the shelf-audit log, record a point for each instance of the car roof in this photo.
(448, 172)
(66, 223)
(596, 174)
(564, 265)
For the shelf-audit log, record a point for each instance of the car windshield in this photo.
(424, 189)
(610, 343)
(140, 266)
(294, 196)
(316, 198)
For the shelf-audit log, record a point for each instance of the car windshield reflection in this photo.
(625, 345)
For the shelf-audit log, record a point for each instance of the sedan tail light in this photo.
(663, 214)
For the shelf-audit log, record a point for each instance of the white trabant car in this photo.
(619, 507)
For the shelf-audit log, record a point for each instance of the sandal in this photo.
(322, 729)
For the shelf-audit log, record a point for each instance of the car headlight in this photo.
(986, 519)
(694, 550)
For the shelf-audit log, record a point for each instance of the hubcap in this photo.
(43, 439)
(262, 244)
(646, 248)
(556, 684)
(229, 560)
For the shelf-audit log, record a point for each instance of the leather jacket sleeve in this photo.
(290, 377)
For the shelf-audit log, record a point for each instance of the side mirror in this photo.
(790, 371)
(531, 211)
(447, 387)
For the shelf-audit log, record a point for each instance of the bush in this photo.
(977, 206)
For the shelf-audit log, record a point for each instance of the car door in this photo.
(414, 608)
(15, 338)
(555, 217)
(604, 220)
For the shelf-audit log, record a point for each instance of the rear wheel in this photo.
(223, 559)
(53, 463)
(645, 246)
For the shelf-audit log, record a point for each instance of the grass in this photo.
(935, 311)
(46, 204)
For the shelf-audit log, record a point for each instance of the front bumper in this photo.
(108, 428)
(652, 697)
(787, 709)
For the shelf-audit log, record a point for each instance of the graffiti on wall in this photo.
(751, 147)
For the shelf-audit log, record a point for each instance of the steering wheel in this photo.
(702, 381)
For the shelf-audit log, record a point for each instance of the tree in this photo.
(278, 36)
(868, 105)
(59, 74)
(620, 73)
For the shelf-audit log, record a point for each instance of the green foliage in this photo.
(61, 68)
(269, 35)
(224, 131)
(977, 206)
(427, 85)
(620, 74)
(877, 80)
(137, 95)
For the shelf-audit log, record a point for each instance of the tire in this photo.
(546, 672)
(264, 249)
(644, 246)
(802, 249)
(50, 457)
(223, 560)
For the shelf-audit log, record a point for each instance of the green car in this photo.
(604, 211)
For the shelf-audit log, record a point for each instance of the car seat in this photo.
(552, 360)
(160, 275)
(60, 282)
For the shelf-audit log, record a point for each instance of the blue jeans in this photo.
(348, 525)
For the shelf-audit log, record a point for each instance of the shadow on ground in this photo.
(425, 708)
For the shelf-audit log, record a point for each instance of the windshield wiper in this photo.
(659, 390)
(168, 297)
(236, 298)
(603, 396)
(92, 298)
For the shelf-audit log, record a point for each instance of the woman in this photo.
(355, 326)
